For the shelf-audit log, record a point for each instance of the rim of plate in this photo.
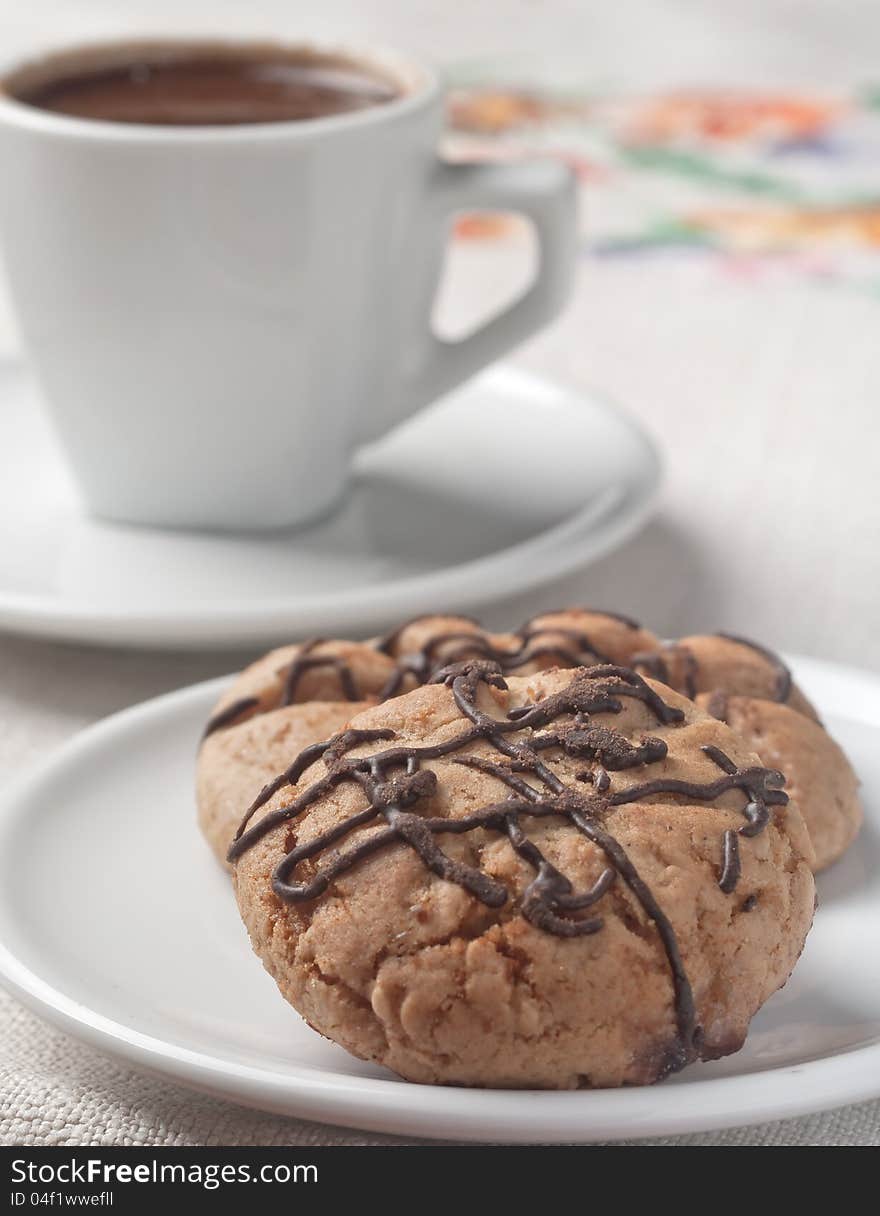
(395, 1106)
(577, 540)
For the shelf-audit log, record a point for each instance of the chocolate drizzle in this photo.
(387, 643)
(396, 786)
(459, 645)
(230, 715)
(305, 661)
(656, 664)
(411, 669)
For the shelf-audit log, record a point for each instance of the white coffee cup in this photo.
(219, 316)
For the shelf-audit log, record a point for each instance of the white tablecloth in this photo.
(761, 385)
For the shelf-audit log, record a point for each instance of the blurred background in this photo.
(729, 268)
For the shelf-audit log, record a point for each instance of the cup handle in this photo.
(545, 192)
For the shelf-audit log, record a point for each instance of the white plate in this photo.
(117, 924)
(506, 483)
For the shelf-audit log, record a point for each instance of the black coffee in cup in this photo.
(170, 84)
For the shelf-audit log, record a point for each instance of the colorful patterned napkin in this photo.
(758, 182)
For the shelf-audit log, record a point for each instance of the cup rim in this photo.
(401, 66)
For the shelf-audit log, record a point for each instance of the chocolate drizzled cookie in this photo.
(751, 689)
(723, 662)
(406, 879)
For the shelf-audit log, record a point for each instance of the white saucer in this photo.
(117, 924)
(507, 483)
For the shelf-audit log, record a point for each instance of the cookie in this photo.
(573, 878)
(239, 753)
(751, 689)
(706, 662)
